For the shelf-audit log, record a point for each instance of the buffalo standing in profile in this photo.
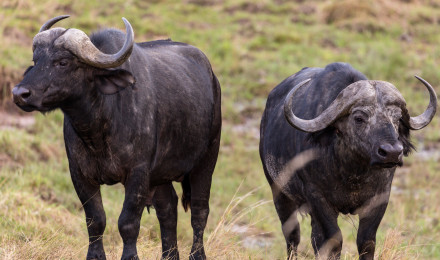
(336, 153)
(145, 116)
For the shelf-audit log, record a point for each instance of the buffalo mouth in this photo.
(26, 107)
(386, 164)
(29, 107)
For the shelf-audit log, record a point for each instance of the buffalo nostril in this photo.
(25, 95)
(382, 152)
(21, 93)
(390, 153)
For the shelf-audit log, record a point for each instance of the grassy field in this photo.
(252, 45)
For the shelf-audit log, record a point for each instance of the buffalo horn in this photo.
(338, 107)
(79, 44)
(52, 21)
(418, 122)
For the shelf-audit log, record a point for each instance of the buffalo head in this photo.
(371, 119)
(65, 63)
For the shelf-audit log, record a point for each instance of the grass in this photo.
(252, 46)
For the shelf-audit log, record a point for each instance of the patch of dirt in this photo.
(65, 9)
(199, 25)
(204, 2)
(253, 8)
(364, 16)
(16, 36)
(12, 4)
(10, 120)
(307, 9)
(249, 127)
(281, 2)
(47, 194)
(428, 151)
(6, 160)
(253, 238)
(247, 7)
(251, 109)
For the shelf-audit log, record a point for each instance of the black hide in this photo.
(327, 172)
(154, 120)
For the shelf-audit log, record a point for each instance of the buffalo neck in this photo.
(353, 169)
(92, 116)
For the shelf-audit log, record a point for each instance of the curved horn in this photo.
(52, 21)
(339, 106)
(79, 43)
(418, 122)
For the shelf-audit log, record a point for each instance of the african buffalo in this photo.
(330, 143)
(141, 114)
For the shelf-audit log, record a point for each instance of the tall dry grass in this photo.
(224, 242)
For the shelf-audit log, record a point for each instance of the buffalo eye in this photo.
(359, 120)
(62, 63)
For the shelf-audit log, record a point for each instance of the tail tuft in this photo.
(186, 196)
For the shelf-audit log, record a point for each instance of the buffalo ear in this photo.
(405, 138)
(111, 81)
(404, 133)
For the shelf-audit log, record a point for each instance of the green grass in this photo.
(252, 47)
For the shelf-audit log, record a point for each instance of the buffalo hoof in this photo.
(199, 255)
(130, 257)
(173, 255)
(96, 256)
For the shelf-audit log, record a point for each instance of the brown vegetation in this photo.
(8, 79)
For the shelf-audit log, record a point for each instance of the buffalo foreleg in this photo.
(369, 221)
(90, 197)
(326, 235)
(287, 210)
(165, 203)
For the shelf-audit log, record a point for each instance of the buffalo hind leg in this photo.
(136, 194)
(287, 210)
(90, 197)
(200, 191)
(200, 182)
(165, 203)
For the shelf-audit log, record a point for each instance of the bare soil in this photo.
(14, 120)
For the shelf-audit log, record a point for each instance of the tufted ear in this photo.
(404, 132)
(405, 138)
(111, 81)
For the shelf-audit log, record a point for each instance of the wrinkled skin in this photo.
(153, 120)
(346, 168)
